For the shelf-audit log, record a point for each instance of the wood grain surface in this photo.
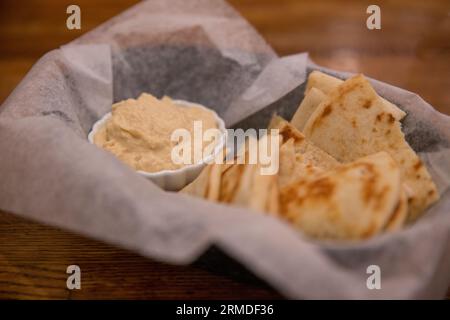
(412, 50)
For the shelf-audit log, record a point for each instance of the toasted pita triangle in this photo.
(352, 201)
(327, 84)
(287, 163)
(215, 175)
(244, 185)
(272, 205)
(207, 184)
(309, 103)
(253, 190)
(230, 181)
(352, 123)
(322, 82)
(305, 151)
(293, 165)
(398, 217)
(199, 186)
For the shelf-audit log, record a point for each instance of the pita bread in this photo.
(207, 184)
(199, 186)
(305, 151)
(287, 162)
(254, 189)
(352, 123)
(229, 182)
(293, 165)
(327, 83)
(322, 81)
(244, 185)
(311, 100)
(215, 175)
(399, 215)
(272, 205)
(352, 201)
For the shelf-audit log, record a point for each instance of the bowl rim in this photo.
(167, 172)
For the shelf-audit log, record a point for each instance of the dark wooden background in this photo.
(411, 51)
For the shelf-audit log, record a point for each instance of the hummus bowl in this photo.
(174, 180)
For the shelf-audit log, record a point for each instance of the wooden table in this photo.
(412, 50)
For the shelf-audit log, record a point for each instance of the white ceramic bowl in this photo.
(174, 180)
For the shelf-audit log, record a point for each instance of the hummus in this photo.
(139, 131)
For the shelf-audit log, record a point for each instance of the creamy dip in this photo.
(139, 131)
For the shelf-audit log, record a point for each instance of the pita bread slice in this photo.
(287, 162)
(199, 186)
(399, 215)
(272, 205)
(352, 201)
(322, 81)
(305, 151)
(230, 181)
(254, 189)
(327, 83)
(352, 123)
(244, 185)
(207, 184)
(293, 165)
(309, 103)
(215, 174)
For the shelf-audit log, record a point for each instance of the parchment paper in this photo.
(201, 51)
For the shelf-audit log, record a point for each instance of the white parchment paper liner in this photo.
(200, 51)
